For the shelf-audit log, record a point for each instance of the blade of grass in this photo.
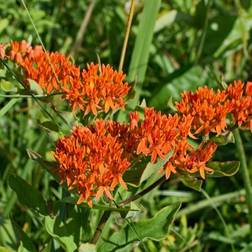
(245, 174)
(206, 203)
(141, 51)
(8, 106)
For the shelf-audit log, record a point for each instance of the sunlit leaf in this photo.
(62, 232)
(155, 228)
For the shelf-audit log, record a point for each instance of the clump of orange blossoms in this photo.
(210, 109)
(93, 89)
(91, 160)
(94, 158)
(160, 135)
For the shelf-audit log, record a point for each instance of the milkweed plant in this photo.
(100, 161)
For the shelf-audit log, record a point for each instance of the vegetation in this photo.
(164, 48)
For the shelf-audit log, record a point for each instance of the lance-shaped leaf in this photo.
(27, 194)
(155, 228)
(220, 169)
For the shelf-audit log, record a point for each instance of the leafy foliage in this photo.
(173, 46)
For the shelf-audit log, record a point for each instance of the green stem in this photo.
(126, 38)
(245, 174)
(209, 202)
(106, 214)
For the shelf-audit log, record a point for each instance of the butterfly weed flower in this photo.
(160, 134)
(239, 98)
(101, 88)
(211, 109)
(208, 109)
(92, 90)
(92, 161)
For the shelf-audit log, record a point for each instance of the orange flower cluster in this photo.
(160, 135)
(90, 90)
(94, 158)
(210, 109)
(91, 160)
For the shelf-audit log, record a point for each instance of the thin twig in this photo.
(126, 38)
(83, 28)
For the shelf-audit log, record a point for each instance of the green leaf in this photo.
(228, 168)
(154, 168)
(155, 228)
(50, 125)
(140, 55)
(27, 194)
(141, 51)
(166, 19)
(63, 232)
(191, 181)
(7, 86)
(34, 86)
(8, 106)
(3, 249)
(87, 247)
(224, 139)
(3, 24)
(133, 175)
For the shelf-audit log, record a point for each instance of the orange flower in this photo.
(239, 99)
(160, 134)
(91, 90)
(91, 160)
(192, 160)
(157, 134)
(210, 109)
(207, 108)
(104, 88)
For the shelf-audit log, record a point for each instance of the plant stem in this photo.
(245, 174)
(142, 193)
(100, 226)
(205, 203)
(126, 38)
(106, 214)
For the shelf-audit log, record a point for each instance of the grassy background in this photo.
(173, 46)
